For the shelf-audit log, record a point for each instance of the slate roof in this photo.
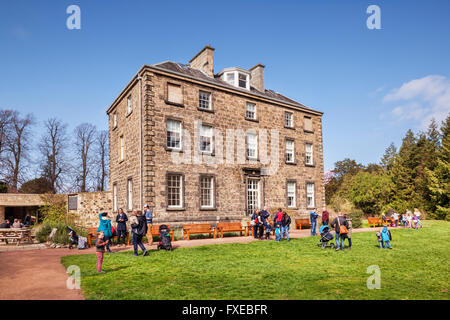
(182, 69)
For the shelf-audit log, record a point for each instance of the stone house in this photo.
(199, 146)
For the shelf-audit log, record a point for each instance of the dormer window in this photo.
(236, 77)
(243, 79)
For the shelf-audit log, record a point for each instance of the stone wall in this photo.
(89, 206)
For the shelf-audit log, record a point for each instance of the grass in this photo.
(417, 268)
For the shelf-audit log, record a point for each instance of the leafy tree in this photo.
(36, 186)
(388, 159)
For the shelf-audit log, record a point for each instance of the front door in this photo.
(253, 195)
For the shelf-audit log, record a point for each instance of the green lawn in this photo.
(417, 268)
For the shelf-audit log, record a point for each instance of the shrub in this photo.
(356, 216)
(61, 235)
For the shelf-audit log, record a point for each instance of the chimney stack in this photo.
(257, 77)
(204, 60)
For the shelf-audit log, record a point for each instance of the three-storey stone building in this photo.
(198, 146)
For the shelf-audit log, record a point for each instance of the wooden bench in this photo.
(189, 229)
(230, 227)
(373, 221)
(302, 222)
(15, 234)
(92, 236)
(155, 231)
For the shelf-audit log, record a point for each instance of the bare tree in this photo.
(5, 127)
(84, 139)
(53, 146)
(102, 159)
(16, 146)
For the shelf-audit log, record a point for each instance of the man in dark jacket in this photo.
(139, 230)
(336, 224)
(5, 224)
(121, 220)
(285, 223)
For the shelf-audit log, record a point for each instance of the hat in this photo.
(146, 206)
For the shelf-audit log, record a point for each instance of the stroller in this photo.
(325, 237)
(166, 240)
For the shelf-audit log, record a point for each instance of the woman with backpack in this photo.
(138, 229)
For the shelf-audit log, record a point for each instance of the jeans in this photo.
(342, 238)
(285, 230)
(313, 227)
(137, 240)
(349, 242)
(278, 237)
(121, 234)
(387, 243)
(381, 244)
(99, 260)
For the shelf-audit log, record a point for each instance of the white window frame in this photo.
(309, 153)
(208, 101)
(290, 151)
(122, 148)
(206, 133)
(253, 189)
(252, 145)
(310, 195)
(179, 176)
(130, 194)
(114, 119)
(288, 122)
(114, 197)
(291, 193)
(211, 192)
(247, 111)
(129, 104)
(179, 133)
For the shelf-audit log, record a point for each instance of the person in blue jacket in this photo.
(313, 216)
(105, 226)
(121, 220)
(386, 237)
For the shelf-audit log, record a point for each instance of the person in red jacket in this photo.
(325, 217)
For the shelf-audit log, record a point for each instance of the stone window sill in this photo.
(251, 119)
(290, 128)
(174, 103)
(205, 110)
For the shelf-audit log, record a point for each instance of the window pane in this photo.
(291, 194)
(289, 150)
(174, 191)
(174, 134)
(205, 138)
(251, 110)
(207, 192)
(204, 100)
(242, 80)
(230, 78)
(252, 145)
(288, 119)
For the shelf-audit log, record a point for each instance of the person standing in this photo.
(325, 217)
(149, 220)
(337, 223)
(350, 229)
(277, 218)
(395, 216)
(100, 244)
(313, 216)
(121, 220)
(139, 229)
(27, 221)
(105, 226)
(285, 223)
(253, 222)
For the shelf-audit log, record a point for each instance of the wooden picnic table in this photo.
(15, 234)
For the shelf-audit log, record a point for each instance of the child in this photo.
(350, 229)
(100, 244)
(278, 233)
(386, 237)
(380, 240)
(267, 229)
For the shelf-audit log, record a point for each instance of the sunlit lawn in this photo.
(417, 268)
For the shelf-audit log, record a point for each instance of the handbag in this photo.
(342, 229)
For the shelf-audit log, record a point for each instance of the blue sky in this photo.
(373, 85)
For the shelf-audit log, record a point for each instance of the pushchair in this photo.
(166, 240)
(325, 237)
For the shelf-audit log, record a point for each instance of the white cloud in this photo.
(422, 99)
